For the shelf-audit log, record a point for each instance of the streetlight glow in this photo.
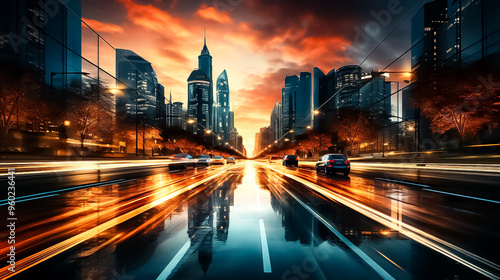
(67, 123)
(191, 121)
(316, 112)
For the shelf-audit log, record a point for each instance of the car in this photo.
(231, 160)
(290, 160)
(331, 163)
(274, 159)
(181, 161)
(203, 160)
(218, 160)
(181, 156)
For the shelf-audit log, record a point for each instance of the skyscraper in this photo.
(317, 87)
(303, 104)
(140, 99)
(375, 97)
(471, 32)
(222, 125)
(327, 113)
(40, 37)
(199, 101)
(276, 121)
(205, 65)
(348, 85)
(424, 35)
(288, 100)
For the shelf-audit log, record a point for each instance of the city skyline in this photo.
(257, 58)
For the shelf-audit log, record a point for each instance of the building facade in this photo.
(276, 121)
(348, 83)
(205, 65)
(222, 125)
(198, 108)
(288, 100)
(142, 98)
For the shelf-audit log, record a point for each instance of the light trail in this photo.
(60, 247)
(415, 234)
(36, 168)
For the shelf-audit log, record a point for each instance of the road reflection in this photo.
(204, 224)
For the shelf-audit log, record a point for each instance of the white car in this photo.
(203, 160)
(231, 160)
(218, 160)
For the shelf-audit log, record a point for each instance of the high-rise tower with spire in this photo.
(222, 125)
(205, 65)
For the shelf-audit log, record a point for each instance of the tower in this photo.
(205, 65)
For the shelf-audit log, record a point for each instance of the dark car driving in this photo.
(332, 163)
(290, 160)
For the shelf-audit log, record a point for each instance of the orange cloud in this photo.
(154, 18)
(211, 13)
(99, 26)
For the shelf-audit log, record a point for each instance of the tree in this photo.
(90, 112)
(354, 127)
(184, 146)
(20, 96)
(462, 102)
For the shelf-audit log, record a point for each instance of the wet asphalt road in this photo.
(249, 221)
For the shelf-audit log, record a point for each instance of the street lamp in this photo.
(67, 123)
(208, 131)
(191, 121)
(286, 139)
(308, 127)
(316, 112)
(291, 131)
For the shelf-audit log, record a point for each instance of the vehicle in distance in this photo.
(331, 163)
(231, 160)
(218, 160)
(181, 161)
(203, 160)
(274, 159)
(290, 160)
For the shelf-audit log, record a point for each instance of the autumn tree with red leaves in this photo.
(461, 102)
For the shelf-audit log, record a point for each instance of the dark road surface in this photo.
(250, 221)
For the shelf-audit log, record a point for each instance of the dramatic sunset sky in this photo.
(258, 42)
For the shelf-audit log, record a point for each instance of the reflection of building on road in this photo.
(223, 199)
(301, 226)
(201, 221)
(298, 223)
(200, 230)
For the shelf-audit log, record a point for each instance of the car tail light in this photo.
(347, 161)
(331, 161)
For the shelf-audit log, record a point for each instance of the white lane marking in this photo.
(402, 182)
(466, 196)
(265, 250)
(378, 269)
(174, 262)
